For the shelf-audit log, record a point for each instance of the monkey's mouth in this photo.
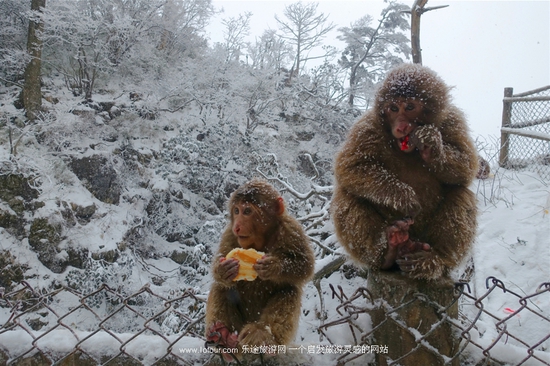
(404, 143)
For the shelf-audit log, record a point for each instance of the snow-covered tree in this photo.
(270, 52)
(328, 83)
(305, 29)
(13, 38)
(88, 39)
(373, 47)
(236, 28)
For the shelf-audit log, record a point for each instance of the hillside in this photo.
(101, 193)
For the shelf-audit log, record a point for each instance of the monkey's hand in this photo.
(421, 264)
(227, 270)
(412, 261)
(269, 267)
(411, 247)
(398, 232)
(428, 141)
(256, 334)
(397, 235)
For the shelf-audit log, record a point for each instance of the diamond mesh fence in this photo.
(525, 132)
(104, 327)
(507, 343)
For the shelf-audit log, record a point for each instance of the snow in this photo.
(512, 245)
(175, 207)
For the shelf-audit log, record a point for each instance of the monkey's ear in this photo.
(280, 206)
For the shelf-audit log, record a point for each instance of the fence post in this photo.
(411, 309)
(506, 122)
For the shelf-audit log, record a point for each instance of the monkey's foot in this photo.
(220, 336)
(256, 334)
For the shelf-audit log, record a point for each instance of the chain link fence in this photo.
(102, 327)
(66, 327)
(504, 345)
(525, 132)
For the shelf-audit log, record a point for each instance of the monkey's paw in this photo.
(429, 142)
(398, 232)
(269, 267)
(220, 336)
(256, 334)
(421, 265)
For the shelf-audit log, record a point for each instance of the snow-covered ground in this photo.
(512, 245)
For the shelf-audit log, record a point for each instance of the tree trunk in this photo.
(31, 95)
(416, 12)
(351, 98)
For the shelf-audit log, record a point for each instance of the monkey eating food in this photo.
(264, 310)
(401, 197)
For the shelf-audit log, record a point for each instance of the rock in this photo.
(11, 272)
(13, 185)
(98, 177)
(44, 238)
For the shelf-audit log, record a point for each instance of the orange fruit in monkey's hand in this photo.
(247, 258)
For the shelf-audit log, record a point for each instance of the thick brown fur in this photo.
(263, 311)
(378, 185)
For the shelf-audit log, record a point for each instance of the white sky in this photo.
(480, 47)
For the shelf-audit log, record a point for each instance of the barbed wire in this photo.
(64, 324)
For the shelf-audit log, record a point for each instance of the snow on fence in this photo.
(66, 327)
(525, 132)
(479, 344)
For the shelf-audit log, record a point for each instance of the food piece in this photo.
(247, 258)
(405, 143)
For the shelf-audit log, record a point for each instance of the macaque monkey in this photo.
(484, 170)
(401, 199)
(264, 311)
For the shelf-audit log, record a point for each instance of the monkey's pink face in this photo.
(247, 226)
(403, 116)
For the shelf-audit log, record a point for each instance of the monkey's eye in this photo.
(394, 108)
(236, 211)
(247, 211)
(410, 107)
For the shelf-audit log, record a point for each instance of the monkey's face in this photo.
(248, 226)
(403, 116)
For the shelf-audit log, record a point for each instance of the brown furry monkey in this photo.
(401, 198)
(263, 311)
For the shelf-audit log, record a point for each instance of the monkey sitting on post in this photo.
(401, 198)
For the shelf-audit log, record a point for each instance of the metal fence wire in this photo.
(64, 324)
(473, 313)
(525, 132)
(66, 327)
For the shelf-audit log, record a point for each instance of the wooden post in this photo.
(413, 311)
(506, 122)
(416, 12)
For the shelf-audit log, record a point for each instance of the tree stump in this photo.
(411, 320)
